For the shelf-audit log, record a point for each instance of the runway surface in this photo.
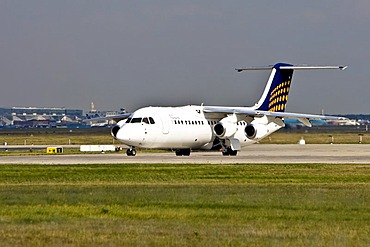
(254, 154)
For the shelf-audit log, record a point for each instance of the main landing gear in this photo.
(131, 152)
(229, 152)
(183, 152)
(219, 144)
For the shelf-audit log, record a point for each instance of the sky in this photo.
(130, 54)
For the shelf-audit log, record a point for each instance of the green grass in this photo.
(185, 205)
(57, 139)
(26, 152)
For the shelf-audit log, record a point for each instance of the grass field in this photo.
(57, 137)
(185, 205)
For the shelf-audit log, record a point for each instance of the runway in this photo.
(254, 154)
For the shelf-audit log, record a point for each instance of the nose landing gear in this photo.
(183, 152)
(131, 151)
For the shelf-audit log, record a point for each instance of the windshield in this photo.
(136, 120)
(147, 120)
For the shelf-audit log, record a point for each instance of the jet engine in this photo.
(226, 127)
(224, 130)
(255, 131)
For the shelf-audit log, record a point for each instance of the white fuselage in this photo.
(180, 128)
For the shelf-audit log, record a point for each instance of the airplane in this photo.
(200, 127)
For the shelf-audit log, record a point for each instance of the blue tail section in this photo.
(275, 96)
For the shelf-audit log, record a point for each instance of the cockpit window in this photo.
(136, 120)
(145, 120)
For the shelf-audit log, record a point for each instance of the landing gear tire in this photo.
(229, 152)
(233, 152)
(131, 152)
(182, 152)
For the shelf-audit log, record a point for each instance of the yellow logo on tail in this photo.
(279, 97)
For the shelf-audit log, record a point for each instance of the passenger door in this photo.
(165, 120)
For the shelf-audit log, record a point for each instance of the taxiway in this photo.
(254, 154)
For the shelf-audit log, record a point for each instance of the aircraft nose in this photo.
(127, 135)
(115, 130)
(122, 134)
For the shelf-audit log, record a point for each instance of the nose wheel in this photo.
(131, 152)
(183, 152)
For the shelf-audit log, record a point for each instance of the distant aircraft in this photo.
(194, 127)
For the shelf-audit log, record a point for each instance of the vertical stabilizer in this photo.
(275, 95)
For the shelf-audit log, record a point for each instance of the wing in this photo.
(248, 111)
(116, 118)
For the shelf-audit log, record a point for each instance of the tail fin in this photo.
(275, 95)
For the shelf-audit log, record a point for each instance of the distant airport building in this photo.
(46, 111)
(39, 117)
(51, 117)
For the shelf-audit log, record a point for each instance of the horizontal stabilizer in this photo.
(295, 67)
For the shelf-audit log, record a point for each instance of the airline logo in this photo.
(279, 97)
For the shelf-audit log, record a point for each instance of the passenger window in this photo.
(151, 120)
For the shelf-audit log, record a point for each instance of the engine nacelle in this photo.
(224, 129)
(255, 131)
